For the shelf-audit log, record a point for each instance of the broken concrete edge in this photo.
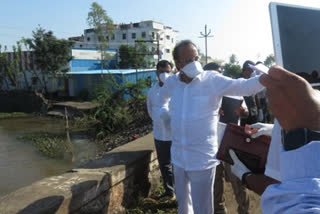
(99, 185)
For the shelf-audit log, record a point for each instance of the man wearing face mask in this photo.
(252, 102)
(161, 129)
(195, 101)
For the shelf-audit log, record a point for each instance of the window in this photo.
(112, 37)
(168, 37)
(143, 34)
(107, 38)
(167, 50)
(152, 34)
(124, 36)
(133, 35)
(88, 39)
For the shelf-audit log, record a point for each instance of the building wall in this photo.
(89, 59)
(126, 34)
(29, 74)
(89, 82)
(83, 60)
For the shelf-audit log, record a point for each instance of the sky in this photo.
(240, 27)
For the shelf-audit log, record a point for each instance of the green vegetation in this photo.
(10, 69)
(153, 205)
(115, 112)
(51, 54)
(51, 145)
(134, 57)
(120, 107)
(102, 25)
(269, 61)
(232, 68)
(14, 115)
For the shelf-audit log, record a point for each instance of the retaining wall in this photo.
(106, 185)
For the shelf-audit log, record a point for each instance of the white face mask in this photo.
(192, 69)
(163, 76)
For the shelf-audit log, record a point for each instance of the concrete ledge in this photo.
(106, 185)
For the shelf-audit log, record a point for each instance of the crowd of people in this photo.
(185, 107)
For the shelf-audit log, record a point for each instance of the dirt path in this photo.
(232, 204)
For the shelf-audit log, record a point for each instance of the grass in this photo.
(51, 145)
(152, 204)
(4, 115)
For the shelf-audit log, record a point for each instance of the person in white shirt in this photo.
(259, 182)
(195, 101)
(161, 131)
(296, 105)
(223, 170)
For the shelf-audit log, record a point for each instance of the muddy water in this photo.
(20, 162)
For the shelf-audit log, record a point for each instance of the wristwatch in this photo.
(296, 138)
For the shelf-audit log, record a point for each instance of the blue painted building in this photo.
(86, 74)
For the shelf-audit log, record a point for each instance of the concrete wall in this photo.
(107, 185)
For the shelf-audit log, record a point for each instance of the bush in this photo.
(119, 106)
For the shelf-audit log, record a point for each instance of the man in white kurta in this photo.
(161, 130)
(195, 101)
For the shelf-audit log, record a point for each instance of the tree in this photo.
(134, 57)
(52, 55)
(126, 55)
(232, 69)
(4, 66)
(102, 25)
(10, 68)
(23, 71)
(233, 59)
(141, 54)
(269, 61)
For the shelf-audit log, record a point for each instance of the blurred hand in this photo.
(292, 99)
(238, 168)
(263, 129)
(221, 112)
(242, 112)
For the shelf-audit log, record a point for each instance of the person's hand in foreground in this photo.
(238, 168)
(292, 99)
(263, 129)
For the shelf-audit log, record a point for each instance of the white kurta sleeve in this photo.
(149, 103)
(299, 190)
(236, 87)
(165, 93)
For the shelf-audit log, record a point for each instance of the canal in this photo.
(22, 164)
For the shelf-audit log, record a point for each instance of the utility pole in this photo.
(158, 48)
(205, 36)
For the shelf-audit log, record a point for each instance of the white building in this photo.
(160, 39)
